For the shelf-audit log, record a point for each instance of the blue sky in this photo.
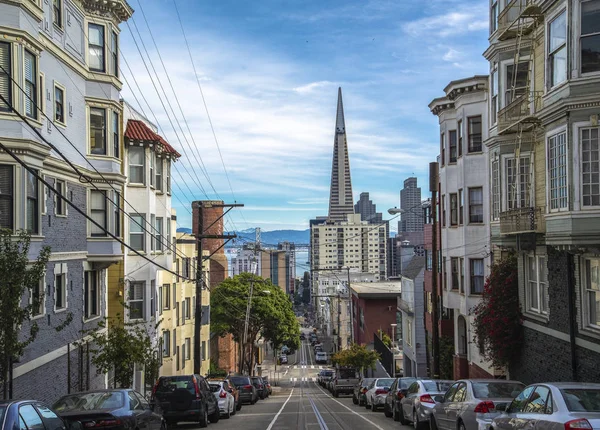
(269, 71)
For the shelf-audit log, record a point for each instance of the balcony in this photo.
(518, 15)
(521, 111)
(522, 220)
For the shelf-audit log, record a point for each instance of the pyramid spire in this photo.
(340, 194)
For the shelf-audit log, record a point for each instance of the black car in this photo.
(110, 409)
(398, 390)
(248, 393)
(260, 386)
(29, 414)
(185, 398)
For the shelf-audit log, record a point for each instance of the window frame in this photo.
(114, 51)
(470, 148)
(538, 285)
(551, 168)
(166, 297)
(62, 89)
(63, 289)
(103, 129)
(496, 195)
(139, 166)
(461, 206)
(9, 77)
(585, 292)
(166, 341)
(132, 298)
(529, 186)
(57, 10)
(34, 84)
(455, 273)
(453, 209)
(116, 134)
(494, 12)
(41, 292)
(10, 197)
(581, 36)
(453, 146)
(168, 175)
(494, 91)
(159, 234)
(60, 198)
(142, 233)
(472, 276)
(102, 47)
(35, 199)
(471, 205)
(91, 279)
(581, 185)
(443, 148)
(99, 210)
(158, 172)
(551, 53)
(152, 168)
(188, 347)
(459, 129)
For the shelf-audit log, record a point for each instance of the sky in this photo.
(266, 73)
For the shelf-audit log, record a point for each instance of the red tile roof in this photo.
(138, 130)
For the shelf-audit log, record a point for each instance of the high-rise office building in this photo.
(410, 201)
(367, 210)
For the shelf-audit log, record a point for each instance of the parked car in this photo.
(229, 387)
(358, 394)
(117, 409)
(561, 405)
(324, 376)
(329, 383)
(285, 350)
(321, 357)
(248, 393)
(185, 398)
(224, 398)
(283, 359)
(344, 381)
(302, 336)
(471, 404)
(397, 392)
(419, 400)
(377, 392)
(29, 414)
(259, 384)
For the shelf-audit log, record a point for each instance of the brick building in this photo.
(374, 308)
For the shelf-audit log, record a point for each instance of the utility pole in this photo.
(339, 306)
(435, 336)
(200, 205)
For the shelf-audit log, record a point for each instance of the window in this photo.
(114, 52)
(453, 144)
(443, 147)
(168, 236)
(495, 190)
(59, 104)
(187, 308)
(117, 213)
(29, 418)
(494, 97)
(476, 205)
(494, 16)
(443, 203)
(557, 170)
(461, 206)
(32, 204)
(188, 347)
(591, 283)
(166, 300)
(137, 165)
(453, 209)
(152, 298)
(461, 269)
(37, 299)
(408, 334)
(60, 291)
(590, 164)
(30, 85)
(590, 36)
(519, 402)
(474, 134)
(115, 130)
(516, 85)
(168, 176)
(175, 347)
(159, 234)
(538, 402)
(91, 298)
(5, 77)
(57, 13)
(557, 49)
(96, 47)
(60, 205)
(177, 322)
(204, 350)
(166, 343)
(136, 300)
(537, 284)
(476, 273)
(160, 300)
(455, 272)
(159, 174)
(518, 182)
(98, 131)
(152, 232)
(459, 128)
(98, 212)
(136, 232)
(185, 268)
(6, 196)
(152, 162)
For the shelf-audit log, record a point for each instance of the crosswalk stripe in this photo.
(312, 367)
(293, 379)
(320, 367)
(295, 367)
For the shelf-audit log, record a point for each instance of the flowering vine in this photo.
(498, 318)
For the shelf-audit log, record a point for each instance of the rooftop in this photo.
(376, 290)
(137, 130)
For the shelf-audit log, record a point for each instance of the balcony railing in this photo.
(522, 220)
(522, 110)
(508, 18)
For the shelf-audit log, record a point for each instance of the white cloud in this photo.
(451, 23)
(309, 88)
(452, 55)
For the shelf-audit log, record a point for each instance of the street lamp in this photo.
(396, 211)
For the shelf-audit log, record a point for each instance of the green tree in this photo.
(17, 299)
(357, 356)
(271, 315)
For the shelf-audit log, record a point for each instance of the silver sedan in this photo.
(555, 406)
(471, 404)
(419, 401)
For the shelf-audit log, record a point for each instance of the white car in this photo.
(377, 392)
(224, 398)
(321, 357)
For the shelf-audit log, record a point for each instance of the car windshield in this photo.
(437, 386)
(168, 384)
(385, 382)
(347, 373)
(497, 390)
(239, 380)
(582, 399)
(366, 382)
(214, 387)
(90, 401)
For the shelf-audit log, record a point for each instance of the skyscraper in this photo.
(410, 200)
(367, 210)
(340, 194)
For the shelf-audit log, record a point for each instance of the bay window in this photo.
(137, 303)
(461, 207)
(494, 16)
(6, 196)
(455, 272)
(136, 232)
(159, 174)
(557, 50)
(590, 165)
(152, 162)
(5, 77)
(557, 171)
(476, 205)
(98, 131)
(494, 95)
(537, 284)
(137, 165)
(443, 148)
(516, 84)
(590, 36)
(495, 190)
(96, 48)
(115, 130)
(460, 137)
(453, 209)
(453, 143)
(159, 234)
(31, 85)
(114, 51)
(518, 182)
(57, 13)
(32, 204)
(474, 134)
(476, 275)
(98, 213)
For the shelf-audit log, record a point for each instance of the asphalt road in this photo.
(300, 403)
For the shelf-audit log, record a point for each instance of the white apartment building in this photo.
(464, 211)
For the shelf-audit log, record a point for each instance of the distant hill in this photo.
(267, 237)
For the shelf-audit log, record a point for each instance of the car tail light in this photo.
(426, 398)
(260, 386)
(380, 391)
(196, 388)
(103, 423)
(581, 423)
(248, 387)
(222, 394)
(484, 407)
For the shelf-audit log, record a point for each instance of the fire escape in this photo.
(518, 119)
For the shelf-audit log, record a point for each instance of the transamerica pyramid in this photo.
(340, 194)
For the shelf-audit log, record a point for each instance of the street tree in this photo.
(271, 314)
(19, 282)
(357, 356)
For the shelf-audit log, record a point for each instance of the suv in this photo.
(230, 388)
(185, 398)
(321, 357)
(259, 384)
(324, 376)
(248, 393)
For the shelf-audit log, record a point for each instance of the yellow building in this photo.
(176, 304)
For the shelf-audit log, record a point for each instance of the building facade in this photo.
(55, 82)
(410, 199)
(543, 156)
(464, 212)
(374, 308)
(367, 210)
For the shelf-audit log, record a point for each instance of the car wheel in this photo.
(386, 411)
(239, 405)
(415, 419)
(335, 393)
(204, 419)
(367, 405)
(461, 426)
(234, 408)
(432, 423)
(354, 399)
(214, 418)
(401, 416)
(163, 425)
